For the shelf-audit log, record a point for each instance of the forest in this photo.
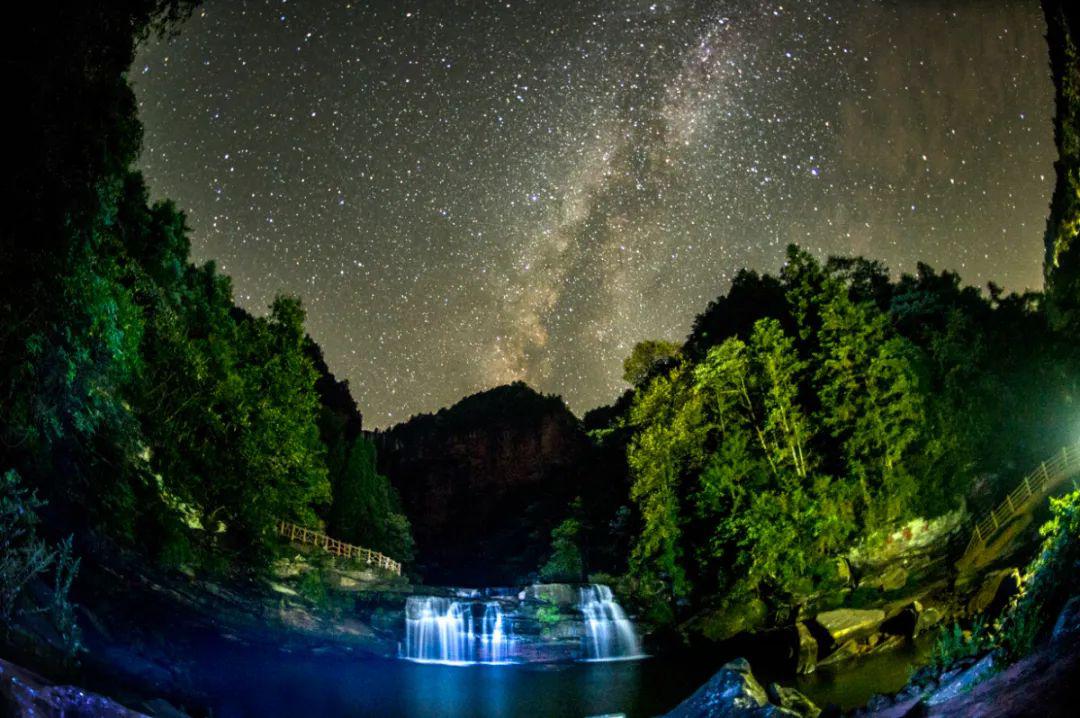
(808, 410)
(139, 403)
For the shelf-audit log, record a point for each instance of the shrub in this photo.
(1049, 580)
(24, 557)
(955, 644)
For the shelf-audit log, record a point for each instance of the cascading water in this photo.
(609, 634)
(439, 630)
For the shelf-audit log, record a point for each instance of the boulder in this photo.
(792, 700)
(904, 622)
(846, 651)
(995, 591)
(26, 695)
(1067, 625)
(558, 594)
(732, 692)
(963, 682)
(928, 618)
(806, 650)
(892, 578)
(847, 624)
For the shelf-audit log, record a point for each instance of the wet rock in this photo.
(26, 695)
(731, 692)
(159, 708)
(806, 651)
(1067, 625)
(559, 594)
(888, 643)
(995, 591)
(846, 651)
(847, 624)
(792, 700)
(963, 682)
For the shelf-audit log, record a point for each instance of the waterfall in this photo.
(609, 634)
(439, 630)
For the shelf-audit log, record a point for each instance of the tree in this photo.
(566, 562)
(366, 509)
(1062, 259)
(646, 358)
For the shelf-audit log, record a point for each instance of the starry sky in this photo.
(468, 193)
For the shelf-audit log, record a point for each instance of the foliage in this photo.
(24, 558)
(647, 358)
(1049, 580)
(312, 586)
(135, 395)
(955, 644)
(838, 404)
(548, 615)
(366, 510)
(1062, 239)
(566, 564)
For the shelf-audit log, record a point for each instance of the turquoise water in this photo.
(243, 682)
(280, 685)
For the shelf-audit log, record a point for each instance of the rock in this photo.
(27, 695)
(846, 651)
(928, 618)
(889, 643)
(917, 537)
(995, 591)
(964, 682)
(558, 594)
(159, 708)
(1067, 625)
(893, 578)
(846, 624)
(905, 622)
(806, 651)
(792, 700)
(731, 692)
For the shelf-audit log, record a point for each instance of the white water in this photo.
(609, 634)
(438, 630)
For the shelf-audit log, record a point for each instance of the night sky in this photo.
(468, 193)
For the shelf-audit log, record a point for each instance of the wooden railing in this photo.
(302, 535)
(1034, 488)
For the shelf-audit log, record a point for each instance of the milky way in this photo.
(466, 194)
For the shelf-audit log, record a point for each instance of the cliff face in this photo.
(485, 481)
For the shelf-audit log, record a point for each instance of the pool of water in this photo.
(243, 682)
(280, 685)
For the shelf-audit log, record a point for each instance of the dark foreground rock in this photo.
(24, 694)
(734, 692)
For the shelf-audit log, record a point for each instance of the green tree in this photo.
(646, 358)
(366, 509)
(566, 562)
